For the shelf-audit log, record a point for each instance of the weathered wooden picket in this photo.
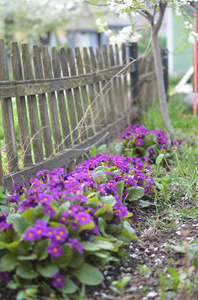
(65, 104)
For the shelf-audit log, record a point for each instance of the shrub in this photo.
(138, 141)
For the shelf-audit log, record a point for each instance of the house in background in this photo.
(179, 61)
(83, 32)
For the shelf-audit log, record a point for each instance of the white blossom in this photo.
(188, 25)
(193, 36)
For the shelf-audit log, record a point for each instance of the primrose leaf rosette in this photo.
(63, 225)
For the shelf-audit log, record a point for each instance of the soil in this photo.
(150, 250)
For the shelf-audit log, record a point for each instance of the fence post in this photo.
(1, 170)
(164, 55)
(134, 76)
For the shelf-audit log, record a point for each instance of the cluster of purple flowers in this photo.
(4, 225)
(73, 187)
(142, 141)
(133, 171)
(71, 204)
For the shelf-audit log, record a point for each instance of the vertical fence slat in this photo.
(7, 115)
(94, 113)
(115, 91)
(103, 89)
(52, 103)
(98, 101)
(61, 100)
(154, 86)
(70, 101)
(125, 86)
(1, 170)
(77, 99)
(85, 99)
(119, 82)
(21, 108)
(111, 109)
(32, 107)
(42, 104)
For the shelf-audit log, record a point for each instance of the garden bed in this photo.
(118, 227)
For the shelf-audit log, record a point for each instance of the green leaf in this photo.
(12, 285)
(77, 259)
(101, 148)
(65, 258)
(159, 159)
(173, 274)
(64, 207)
(88, 274)
(101, 254)
(103, 243)
(100, 211)
(4, 208)
(93, 202)
(99, 177)
(127, 226)
(97, 244)
(3, 200)
(119, 186)
(177, 248)
(135, 193)
(87, 226)
(1, 189)
(37, 213)
(26, 294)
(128, 233)
(27, 214)
(20, 225)
(90, 246)
(48, 269)
(55, 224)
(143, 203)
(33, 256)
(93, 151)
(8, 262)
(102, 226)
(114, 228)
(109, 200)
(13, 217)
(11, 247)
(40, 248)
(69, 287)
(26, 270)
(21, 295)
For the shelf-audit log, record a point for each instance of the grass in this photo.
(178, 197)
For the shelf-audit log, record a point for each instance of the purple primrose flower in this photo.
(55, 250)
(58, 280)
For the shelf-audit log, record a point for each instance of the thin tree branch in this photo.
(97, 4)
(146, 15)
(162, 7)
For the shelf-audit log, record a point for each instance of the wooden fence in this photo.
(59, 104)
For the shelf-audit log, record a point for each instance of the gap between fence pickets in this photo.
(63, 158)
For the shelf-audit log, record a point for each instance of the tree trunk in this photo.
(160, 79)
